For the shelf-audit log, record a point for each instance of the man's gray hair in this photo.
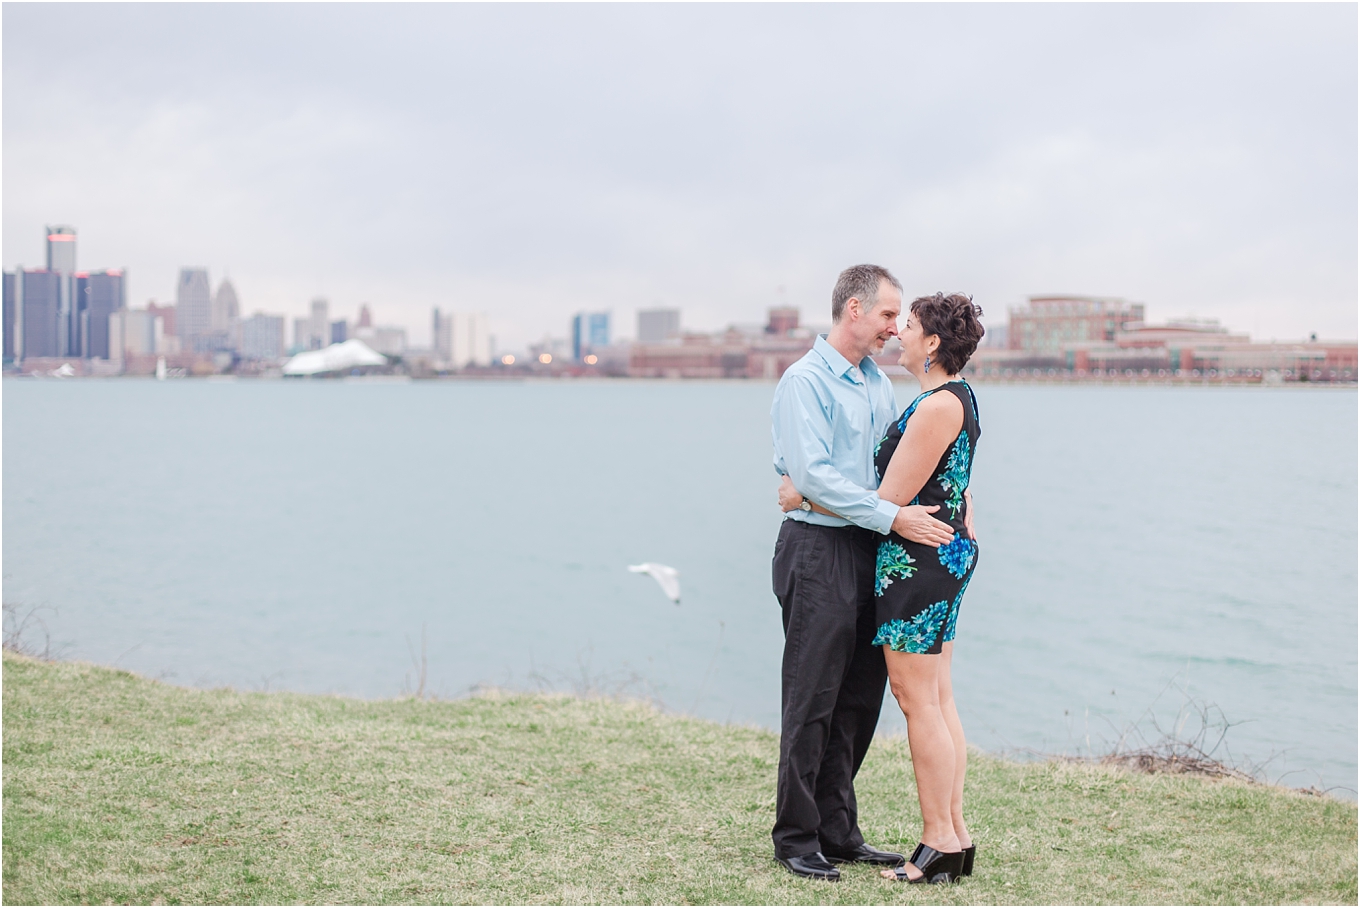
(861, 282)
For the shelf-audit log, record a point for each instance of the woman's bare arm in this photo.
(929, 433)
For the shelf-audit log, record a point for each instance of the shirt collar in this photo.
(838, 364)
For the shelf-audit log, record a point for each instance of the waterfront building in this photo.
(656, 326)
(1049, 324)
(262, 337)
(754, 351)
(588, 330)
(194, 310)
(339, 332)
(783, 321)
(461, 339)
(135, 332)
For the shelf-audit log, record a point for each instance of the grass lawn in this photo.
(120, 789)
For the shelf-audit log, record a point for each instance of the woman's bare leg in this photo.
(914, 679)
(951, 719)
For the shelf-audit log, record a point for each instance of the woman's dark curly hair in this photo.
(954, 319)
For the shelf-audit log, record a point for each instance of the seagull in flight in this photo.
(668, 577)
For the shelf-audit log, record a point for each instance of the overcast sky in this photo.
(532, 161)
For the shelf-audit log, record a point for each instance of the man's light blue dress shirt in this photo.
(828, 417)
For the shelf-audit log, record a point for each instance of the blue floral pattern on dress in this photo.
(893, 561)
(954, 613)
(915, 635)
(954, 479)
(958, 555)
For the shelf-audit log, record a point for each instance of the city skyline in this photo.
(487, 158)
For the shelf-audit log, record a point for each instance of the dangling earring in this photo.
(927, 362)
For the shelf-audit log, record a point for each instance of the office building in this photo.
(589, 330)
(339, 331)
(99, 295)
(656, 326)
(41, 315)
(461, 339)
(262, 337)
(135, 332)
(61, 250)
(441, 336)
(61, 261)
(226, 308)
(321, 323)
(389, 340)
(193, 310)
(167, 316)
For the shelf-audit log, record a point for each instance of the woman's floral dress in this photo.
(917, 587)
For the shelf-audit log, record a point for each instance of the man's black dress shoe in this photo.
(864, 854)
(811, 865)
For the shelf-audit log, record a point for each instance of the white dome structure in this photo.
(336, 358)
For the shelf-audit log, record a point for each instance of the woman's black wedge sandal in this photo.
(968, 854)
(935, 866)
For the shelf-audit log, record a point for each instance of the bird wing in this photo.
(667, 577)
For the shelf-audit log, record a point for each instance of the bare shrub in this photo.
(21, 625)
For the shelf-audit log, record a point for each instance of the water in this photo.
(303, 535)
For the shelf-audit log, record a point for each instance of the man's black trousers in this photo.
(833, 681)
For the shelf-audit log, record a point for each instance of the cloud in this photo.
(531, 160)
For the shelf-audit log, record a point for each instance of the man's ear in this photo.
(852, 306)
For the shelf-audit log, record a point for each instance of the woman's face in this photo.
(915, 344)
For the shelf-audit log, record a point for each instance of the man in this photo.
(830, 410)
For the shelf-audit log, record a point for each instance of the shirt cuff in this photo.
(887, 513)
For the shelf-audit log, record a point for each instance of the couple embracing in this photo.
(870, 569)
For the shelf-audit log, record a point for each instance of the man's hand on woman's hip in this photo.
(915, 523)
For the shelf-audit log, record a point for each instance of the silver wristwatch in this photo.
(805, 506)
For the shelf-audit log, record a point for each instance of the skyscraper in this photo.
(589, 330)
(61, 249)
(320, 324)
(193, 309)
(61, 260)
(41, 296)
(225, 308)
(100, 294)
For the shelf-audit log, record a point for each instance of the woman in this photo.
(926, 458)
